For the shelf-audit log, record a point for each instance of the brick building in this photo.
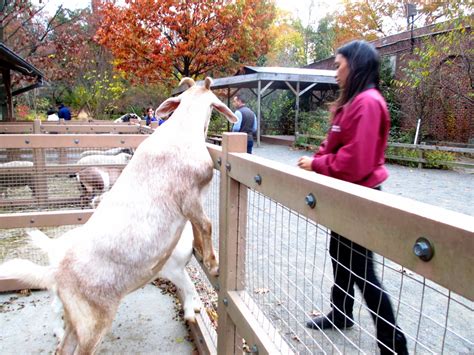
(448, 112)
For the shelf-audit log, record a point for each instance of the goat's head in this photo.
(198, 100)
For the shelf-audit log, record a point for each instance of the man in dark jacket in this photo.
(246, 120)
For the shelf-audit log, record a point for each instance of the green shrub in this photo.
(314, 123)
(436, 159)
(403, 153)
(217, 125)
(301, 141)
(402, 136)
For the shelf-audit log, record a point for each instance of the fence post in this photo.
(420, 156)
(40, 181)
(232, 230)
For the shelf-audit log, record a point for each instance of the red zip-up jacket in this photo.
(354, 148)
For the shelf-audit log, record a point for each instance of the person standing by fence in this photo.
(354, 151)
(64, 112)
(246, 120)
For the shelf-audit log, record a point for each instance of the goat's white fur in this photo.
(109, 256)
(111, 151)
(16, 164)
(174, 270)
(121, 158)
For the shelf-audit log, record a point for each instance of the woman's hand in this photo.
(305, 163)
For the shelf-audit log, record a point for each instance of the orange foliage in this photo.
(372, 19)
(161, 40)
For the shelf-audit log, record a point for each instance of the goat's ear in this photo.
(219, 106)
(167, 106)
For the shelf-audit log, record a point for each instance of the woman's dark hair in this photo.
(364, 65)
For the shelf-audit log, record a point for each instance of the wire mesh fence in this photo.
(46, 179)
(289, 278)
(14, 243)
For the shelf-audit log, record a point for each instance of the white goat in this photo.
(121, 158)
(174, 270)
(10, 179)
(136, 227)
(111, 151)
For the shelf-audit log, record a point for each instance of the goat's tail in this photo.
(33, 275)
(188, 81)
(40, 240)
(50, 246)
(208, 82)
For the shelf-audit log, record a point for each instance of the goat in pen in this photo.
(109, 257)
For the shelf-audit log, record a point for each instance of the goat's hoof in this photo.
(190, 319)
(214, 271)
(197, 307)
(197, 255)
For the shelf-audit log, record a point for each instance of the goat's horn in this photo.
(208, 82)
(188, 81)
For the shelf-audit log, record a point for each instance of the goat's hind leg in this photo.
(86, 323)
(68, 341)
(189, 297)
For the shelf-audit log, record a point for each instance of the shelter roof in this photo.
(276, 78)
(12, 61)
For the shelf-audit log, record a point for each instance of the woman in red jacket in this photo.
(354, 152)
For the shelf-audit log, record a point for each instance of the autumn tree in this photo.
(161, 40)
(287, 46)
(46, 41)
(369, 20)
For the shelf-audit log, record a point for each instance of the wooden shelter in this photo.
(262, 81)
(10, 61)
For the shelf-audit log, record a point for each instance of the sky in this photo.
(298, 7)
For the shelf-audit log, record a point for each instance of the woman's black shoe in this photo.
(330, 322)
(389, 344)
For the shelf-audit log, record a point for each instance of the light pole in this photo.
(411, 12)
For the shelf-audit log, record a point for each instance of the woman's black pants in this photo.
(353, 264)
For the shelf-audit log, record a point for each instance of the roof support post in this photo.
(7, 105)
(297, 110)
(228, 105)
(259, 110)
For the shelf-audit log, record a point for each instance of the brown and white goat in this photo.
(94, 182)
(135, 228)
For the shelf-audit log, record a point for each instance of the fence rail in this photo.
(271, 223)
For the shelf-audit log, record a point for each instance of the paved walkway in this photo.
(146, 323)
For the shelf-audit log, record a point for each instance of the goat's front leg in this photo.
(202, 229)
(197, 242)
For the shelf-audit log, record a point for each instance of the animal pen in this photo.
(271, 225)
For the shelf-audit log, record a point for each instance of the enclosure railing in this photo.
(271, 224)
